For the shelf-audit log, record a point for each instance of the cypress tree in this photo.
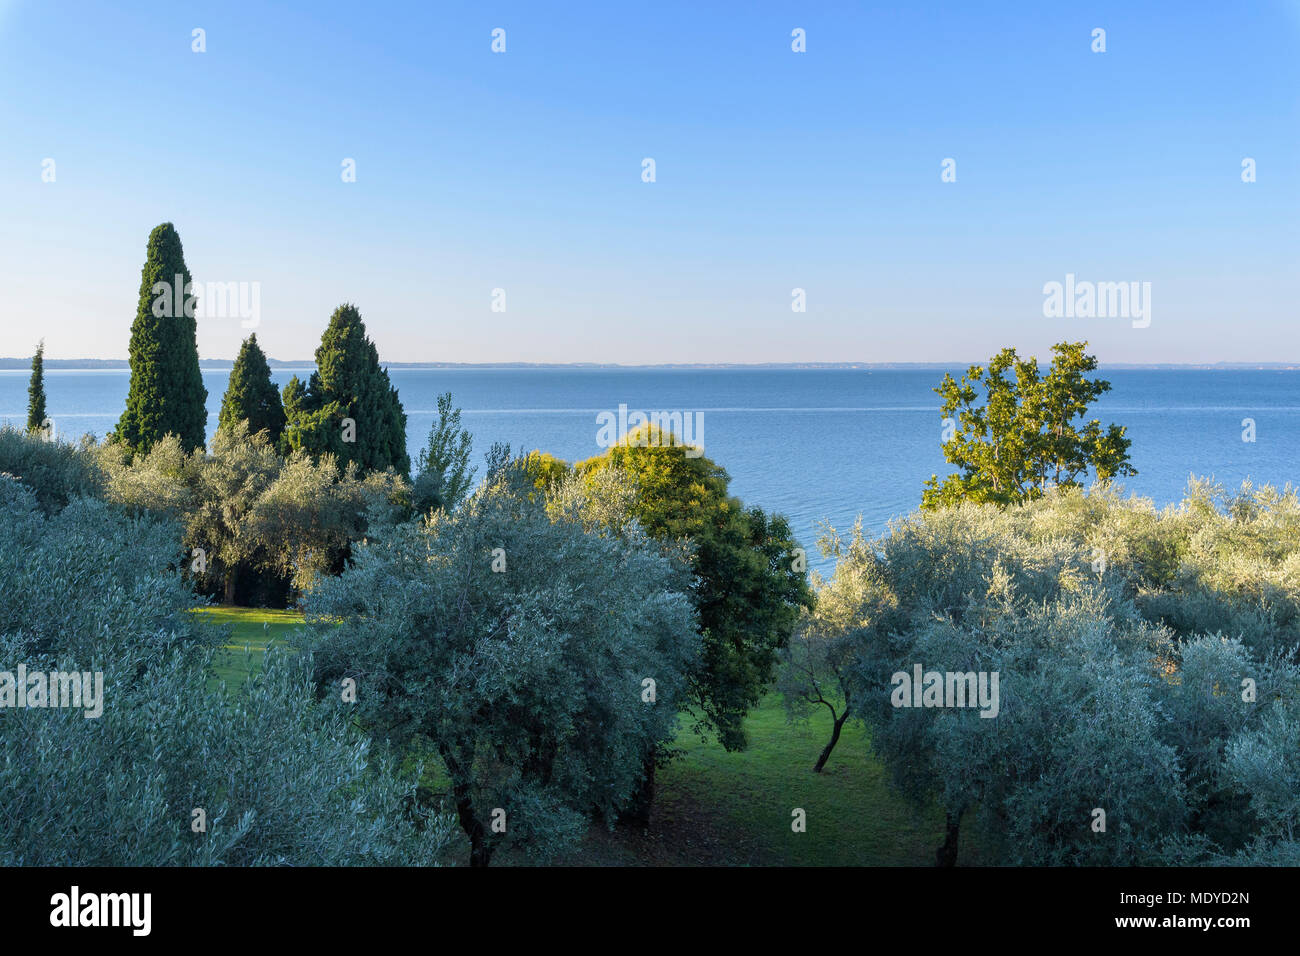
(307, 427)
(36, 391)
(348, 383)
(167, 395)
(251, 396)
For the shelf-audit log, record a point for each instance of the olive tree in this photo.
(54, 471)
(256, 525)
(818, 664)
(167, 769)
(445, 474)
(540, 654)
(1122, 733)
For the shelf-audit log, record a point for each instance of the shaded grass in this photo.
(852, 817)
(718, 808)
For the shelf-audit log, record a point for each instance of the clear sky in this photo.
(775, 170)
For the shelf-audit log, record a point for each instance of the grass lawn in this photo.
(719, 808)
(852, 818)
(714, 807)
(254, 630)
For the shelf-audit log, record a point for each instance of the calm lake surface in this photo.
(814, 444)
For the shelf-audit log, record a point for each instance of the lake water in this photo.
(813, 444)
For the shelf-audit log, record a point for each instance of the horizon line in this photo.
(90, 364)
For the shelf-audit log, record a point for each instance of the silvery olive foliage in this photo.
(1112, 697)
(817, 666)
(253, 512)
(311, 514)
(445, 474)
(279, 780)
(90, 580)
(512, 638)
(55, 471)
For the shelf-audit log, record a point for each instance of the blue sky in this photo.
(775, 170)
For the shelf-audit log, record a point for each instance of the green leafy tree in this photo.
(496, 459)
(250, 396)
(167, 395)
(751, 573)
(1024, 439)
(36, 391)
(348, 383)
(750, 581)
(445, 475)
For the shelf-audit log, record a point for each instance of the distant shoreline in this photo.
(88, 365)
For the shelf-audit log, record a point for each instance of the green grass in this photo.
(253, 630)
(851, 816)
(718, 808)
(714, 807)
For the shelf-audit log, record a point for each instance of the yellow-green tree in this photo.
(751, 577)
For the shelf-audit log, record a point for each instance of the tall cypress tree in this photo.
(251, 396)
(36, 391)
(167, 395)
(348, 383)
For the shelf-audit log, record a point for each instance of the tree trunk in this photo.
(835, 737)
(232, 578)
(947, 855)
(480, 851)
(480, 848)
(637, 813)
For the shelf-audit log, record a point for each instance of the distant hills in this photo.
(222, 364)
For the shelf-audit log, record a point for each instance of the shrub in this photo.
(55, 471)
(279, 780)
